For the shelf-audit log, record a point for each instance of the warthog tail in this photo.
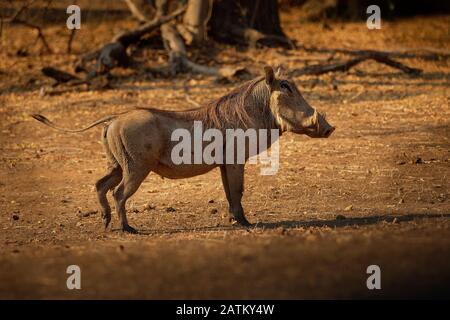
(49, 123)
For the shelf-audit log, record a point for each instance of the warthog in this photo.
(139, 141)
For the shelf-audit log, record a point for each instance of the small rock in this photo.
(22, 52)
(400, 162)
(170, 209)
(42, 92)
(88, 213)
(213, 211)
(149, 207)
(326, 26)
(395, 220)
(349, 208)
(121, 247)
(15, 217)
(211, 201)
(340, 217)
(401, 201)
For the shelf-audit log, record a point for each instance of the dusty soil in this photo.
(376, 192)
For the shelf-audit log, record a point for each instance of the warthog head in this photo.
(291, 110)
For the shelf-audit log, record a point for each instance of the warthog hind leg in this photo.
(126, 188)
(233, 183)
(109, 181)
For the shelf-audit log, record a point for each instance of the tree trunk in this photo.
(142, 10)
(247, 22)
(195, 21)
(231, 19)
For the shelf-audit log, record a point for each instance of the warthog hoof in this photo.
(129, 229)
(106, 221)
(242, 222)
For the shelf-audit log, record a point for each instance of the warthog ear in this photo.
(279, 72)
(270, 76)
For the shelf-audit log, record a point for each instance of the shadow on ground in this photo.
(292, 224)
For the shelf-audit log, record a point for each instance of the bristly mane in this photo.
(233, 110)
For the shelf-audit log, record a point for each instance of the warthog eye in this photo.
(285, 86)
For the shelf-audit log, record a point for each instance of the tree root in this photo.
(252, 37)
(180, 63)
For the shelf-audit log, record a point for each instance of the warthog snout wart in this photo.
(139, 141)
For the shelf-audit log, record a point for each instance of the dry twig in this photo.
(15, 19)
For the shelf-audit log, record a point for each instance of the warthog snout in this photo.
(328, 132)
(319, 128)
(324, 128)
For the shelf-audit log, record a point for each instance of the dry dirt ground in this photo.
(376, 192)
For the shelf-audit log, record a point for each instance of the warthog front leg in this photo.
(233, 184)
(109, 181)
(226, 188)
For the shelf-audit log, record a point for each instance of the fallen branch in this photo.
(58, 75)
(344, 66)
(395, 64)
(389, 54)
(114, 53)
(110, 55)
